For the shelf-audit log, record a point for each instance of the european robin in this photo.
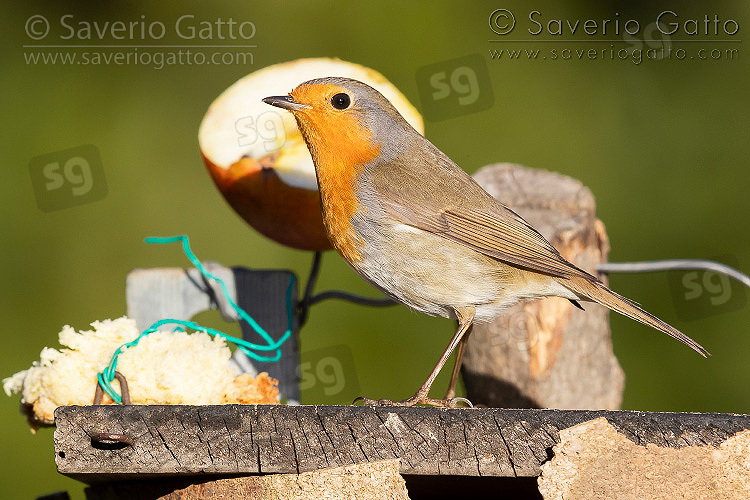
(416, 226)
(258, 159)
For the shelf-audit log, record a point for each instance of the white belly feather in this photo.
(433, 275)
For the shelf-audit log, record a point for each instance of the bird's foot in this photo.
(417, 399)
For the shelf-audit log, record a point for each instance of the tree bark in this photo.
(546, 353)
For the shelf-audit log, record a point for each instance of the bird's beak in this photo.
(285, 102)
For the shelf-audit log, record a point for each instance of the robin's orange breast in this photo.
(339, 159)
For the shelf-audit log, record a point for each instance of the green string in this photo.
(106, 376)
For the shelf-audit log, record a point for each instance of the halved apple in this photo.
(258, 159)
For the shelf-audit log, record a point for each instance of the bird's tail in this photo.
(597, 292)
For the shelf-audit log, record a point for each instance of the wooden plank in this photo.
(176, 293)
(257, 488)
(263, 294)
(241, 439)
(371, 480)
(593, 460)
(156, 294)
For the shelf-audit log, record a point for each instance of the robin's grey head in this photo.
(326, 105)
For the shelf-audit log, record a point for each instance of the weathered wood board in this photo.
(242, 439)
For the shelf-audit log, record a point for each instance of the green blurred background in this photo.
(663, 145)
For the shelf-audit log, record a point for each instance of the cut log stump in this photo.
(537, 353)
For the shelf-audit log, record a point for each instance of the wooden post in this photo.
(266, 295)
(546, 353)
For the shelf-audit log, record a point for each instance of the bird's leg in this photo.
(465, 317)
(451, 393)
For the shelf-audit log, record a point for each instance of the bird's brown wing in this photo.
(441, 198)
(426, 190)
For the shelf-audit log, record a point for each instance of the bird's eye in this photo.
(340, 101)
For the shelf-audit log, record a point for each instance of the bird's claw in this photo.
(454, 403)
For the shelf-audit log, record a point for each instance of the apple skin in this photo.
(286, 214)
(257, 157)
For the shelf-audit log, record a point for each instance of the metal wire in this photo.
(312, 278)
(673, 264)
(308, 299)
(350, 297)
